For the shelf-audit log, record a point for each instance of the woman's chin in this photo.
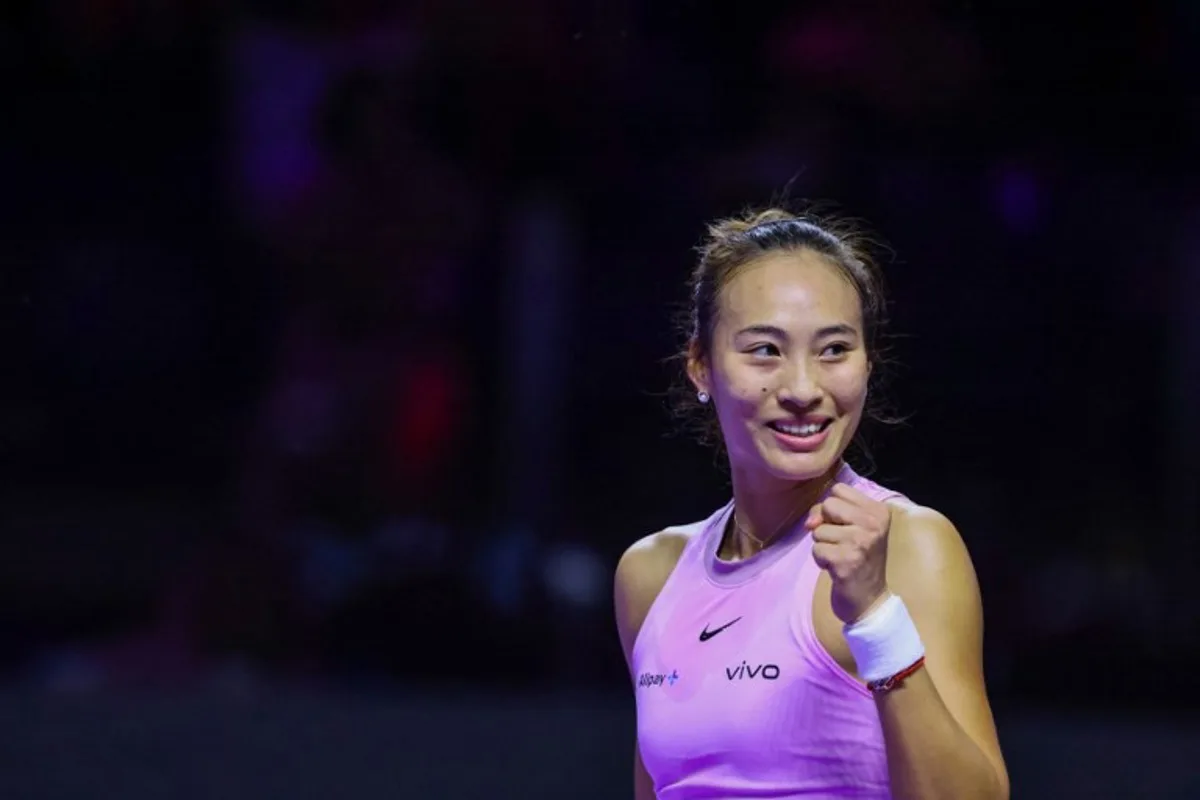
(796, 467)
(766, 462)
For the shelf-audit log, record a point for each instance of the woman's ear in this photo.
(697, 369)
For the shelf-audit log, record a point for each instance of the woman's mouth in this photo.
(800, 428)
(801, 436)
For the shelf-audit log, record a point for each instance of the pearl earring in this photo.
(703, 397)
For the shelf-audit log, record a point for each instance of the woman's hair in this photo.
(732, 244)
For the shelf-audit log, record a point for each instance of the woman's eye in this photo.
(836, 350)
(765, 350)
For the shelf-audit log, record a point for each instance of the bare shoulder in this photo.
(643, 569)
(930, 567)
(646, 564)
(923, 539)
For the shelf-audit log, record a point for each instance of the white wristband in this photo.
(885, 642)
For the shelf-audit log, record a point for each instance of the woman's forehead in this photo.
(790, 289)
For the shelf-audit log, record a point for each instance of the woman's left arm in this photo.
(938, 726)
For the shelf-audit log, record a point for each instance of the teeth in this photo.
(807, 429)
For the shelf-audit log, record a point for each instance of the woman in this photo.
(820, 635)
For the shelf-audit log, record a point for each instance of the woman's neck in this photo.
(764, 510)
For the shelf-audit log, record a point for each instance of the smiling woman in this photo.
(855, 664)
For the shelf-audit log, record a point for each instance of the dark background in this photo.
(334, 358)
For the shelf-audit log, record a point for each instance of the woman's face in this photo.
(787, 367)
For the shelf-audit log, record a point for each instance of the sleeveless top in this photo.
(735, 695)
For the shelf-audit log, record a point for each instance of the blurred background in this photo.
(334, 358)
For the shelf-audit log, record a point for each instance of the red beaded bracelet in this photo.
(887, 684)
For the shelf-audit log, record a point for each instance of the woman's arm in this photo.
(643, 786)
(640, 576)
(938, 726)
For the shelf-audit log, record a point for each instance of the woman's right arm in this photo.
(641, 573)
(643, 786)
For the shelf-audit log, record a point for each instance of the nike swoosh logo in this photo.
(706, 634)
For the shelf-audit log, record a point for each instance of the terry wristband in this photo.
(885, 643)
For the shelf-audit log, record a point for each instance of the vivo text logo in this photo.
(746, 672)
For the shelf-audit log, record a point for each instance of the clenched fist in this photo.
(850, 533)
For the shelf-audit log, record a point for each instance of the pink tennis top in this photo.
(735, 696)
